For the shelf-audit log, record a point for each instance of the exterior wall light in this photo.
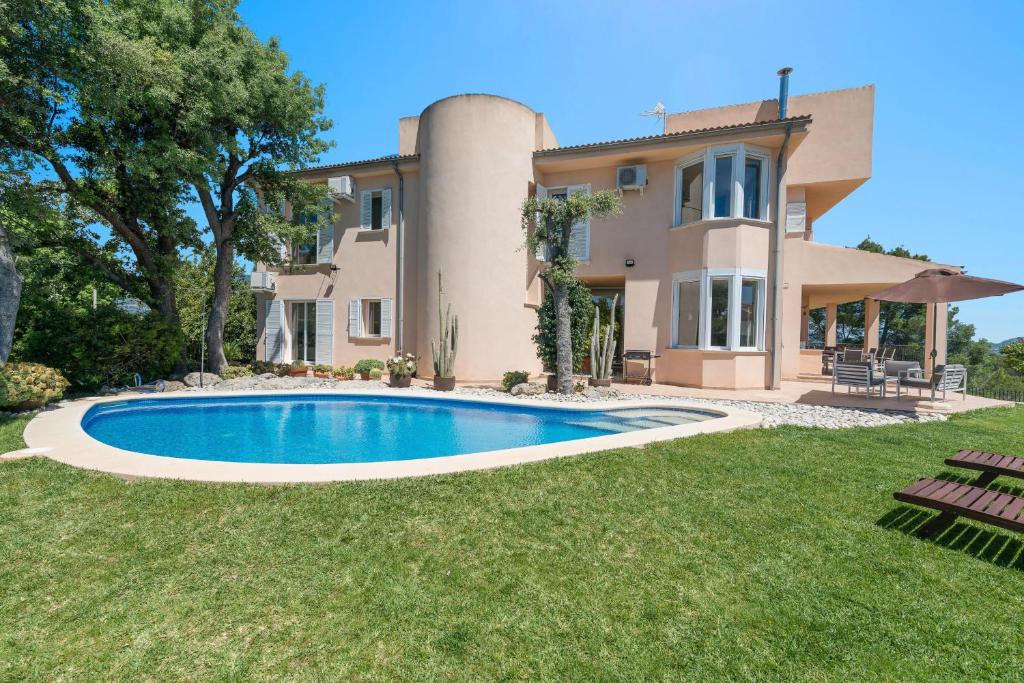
(630, 263)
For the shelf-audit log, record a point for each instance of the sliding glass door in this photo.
(304, 331)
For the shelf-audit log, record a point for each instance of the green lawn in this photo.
(769, 555)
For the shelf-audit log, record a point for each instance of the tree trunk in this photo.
(563, 338)
(10, 296)
(222, 275)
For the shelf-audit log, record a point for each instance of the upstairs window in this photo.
(304, 253)
(375, 209)
(723, 182)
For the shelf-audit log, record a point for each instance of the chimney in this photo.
(784, 91)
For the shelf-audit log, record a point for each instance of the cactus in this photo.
(444, 352)
(602, 354)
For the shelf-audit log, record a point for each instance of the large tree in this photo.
(548, 223)
(82, 98)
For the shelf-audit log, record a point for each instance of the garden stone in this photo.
(527, 389)
(209, 379)
(173, 385)
(238, 384)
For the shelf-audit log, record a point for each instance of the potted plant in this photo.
(321, 371)
(444, 353)
(343, 373)
(401, 368)
(375, 374)
(364, 366)
(298, 369)
(602, 352)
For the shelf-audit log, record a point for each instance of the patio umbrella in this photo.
(940, 286)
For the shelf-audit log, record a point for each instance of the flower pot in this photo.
(444, 383)
(293, 372)
(594, 382)
(322, 375)
(365, 376)
(400, 381)
(552, 382)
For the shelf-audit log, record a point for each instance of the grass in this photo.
(769, 555)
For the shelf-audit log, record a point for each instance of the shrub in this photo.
(343, 372)
(261, 367)
(368, 364)
(581, 306)
(376, 373)
(297, 365)
(401, 366)
(30, 385)
(233, 371)
(321, 368)
(514, 377)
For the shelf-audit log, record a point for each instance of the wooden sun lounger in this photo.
(964, 500)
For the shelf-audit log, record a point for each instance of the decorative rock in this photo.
(527, 389)
(238, 384)
(173, 385)
(209, 379)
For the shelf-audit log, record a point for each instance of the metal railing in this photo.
(1015, 395)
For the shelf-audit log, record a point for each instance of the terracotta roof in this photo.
(669, 136)
(362, 162)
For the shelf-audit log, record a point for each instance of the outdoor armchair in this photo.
(858, 374)
(945, 378)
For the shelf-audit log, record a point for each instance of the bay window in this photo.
(719, 309)
(723, 182)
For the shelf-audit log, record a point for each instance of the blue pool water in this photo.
(347, 429)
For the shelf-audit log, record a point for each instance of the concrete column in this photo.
(831, 316)
(871, 311)
(940, 329)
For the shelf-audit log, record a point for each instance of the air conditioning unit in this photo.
(631, 177)
(342, 187)
(262, 281)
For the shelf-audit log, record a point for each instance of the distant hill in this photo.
(997, 347)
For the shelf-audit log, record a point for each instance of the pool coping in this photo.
(58, 434)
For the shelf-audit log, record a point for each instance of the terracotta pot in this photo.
(444, 383)
(322, 375)
(365, 376)
(594, 382)
(400, 381)
(298, 373)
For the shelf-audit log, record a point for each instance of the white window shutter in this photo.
(579, 236)
(282, 249)
(541, 254)
(325, 331)
(354, 318)
(385, 210)
(366, 209)
(273, 342)
(325, 244)
(386, 323)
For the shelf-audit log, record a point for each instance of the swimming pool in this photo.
(319, 429)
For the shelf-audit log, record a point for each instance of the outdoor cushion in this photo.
(893, 368)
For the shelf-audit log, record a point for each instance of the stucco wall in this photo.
(476, 169)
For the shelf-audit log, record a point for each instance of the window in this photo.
(723, 186)
(688, 313)
(719, 317)
(692, 193)
(376, 211)
(723, 182)
(718, 309)
(752, 187)
(304, 331)
(750, 305)
(304, 253)
(371, 317)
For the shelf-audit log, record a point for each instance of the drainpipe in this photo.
(777, 242)
(400, 287)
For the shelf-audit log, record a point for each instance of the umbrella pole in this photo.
(935, 333)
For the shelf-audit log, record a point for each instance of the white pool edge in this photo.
(58, 435)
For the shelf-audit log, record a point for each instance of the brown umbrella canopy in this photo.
(942, 285)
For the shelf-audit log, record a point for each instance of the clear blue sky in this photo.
(948, 148)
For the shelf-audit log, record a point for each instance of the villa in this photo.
(714, 258)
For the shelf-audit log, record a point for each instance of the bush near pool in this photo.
(514, 377)
(25, 386)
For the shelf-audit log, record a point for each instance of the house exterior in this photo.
(714, 257)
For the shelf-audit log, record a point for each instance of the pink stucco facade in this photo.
(691, 254)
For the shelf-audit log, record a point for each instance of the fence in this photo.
(1015, 395)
